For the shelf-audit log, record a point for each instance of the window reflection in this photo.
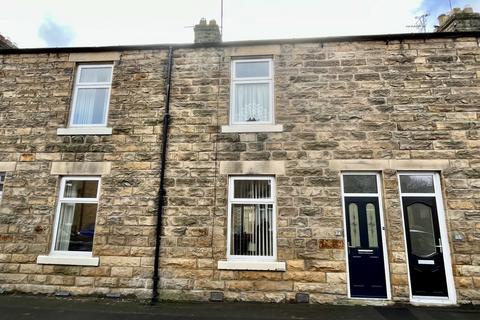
(252, 230)
(76, 227)
(422, 237)
(416, 183)
(360, 183)
(81, 189)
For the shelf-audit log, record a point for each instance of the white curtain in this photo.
(252, 102)
(67, 214)
(90, 106)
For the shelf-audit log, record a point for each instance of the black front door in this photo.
(365, 250)
(425, 256)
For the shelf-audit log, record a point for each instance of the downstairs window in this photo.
(252, 227)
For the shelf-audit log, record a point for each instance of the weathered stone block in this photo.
(350, 106)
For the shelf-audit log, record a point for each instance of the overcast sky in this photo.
(53, 23)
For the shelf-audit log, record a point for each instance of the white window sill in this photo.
(252, 265)
(84, 131)
(69, 260)
(239, 128)
(424, 300)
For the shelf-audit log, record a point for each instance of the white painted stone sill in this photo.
(252, 265)
(252, 128)
(430, 301)
(76, 131)
(69, 260)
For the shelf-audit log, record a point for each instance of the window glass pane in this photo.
(417, 184)
(101, 74)
(252, 102)
(422, 236)
(252, 230)
(372, 226)
(252, 189)
(90, 106)
(252, 69)
(354, 225)
(81, 189)
(360, 183)
(76, 227)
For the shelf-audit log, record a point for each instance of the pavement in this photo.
(20, 307)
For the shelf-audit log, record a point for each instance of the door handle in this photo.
(350, 247)
(440, 245)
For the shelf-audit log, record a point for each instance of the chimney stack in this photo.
(459, 20)
(207, 33)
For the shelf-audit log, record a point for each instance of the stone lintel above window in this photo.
(81, 168)
(249, 51)
(6, 166)
(406, 164)
(252, 167)
(94, 56)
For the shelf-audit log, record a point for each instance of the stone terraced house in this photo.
(322, 170)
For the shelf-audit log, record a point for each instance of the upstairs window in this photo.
(91, 95)
(2, 182)
(252, 92)
(252, 230)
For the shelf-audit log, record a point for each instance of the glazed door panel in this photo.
(365, 250)
(424, 247)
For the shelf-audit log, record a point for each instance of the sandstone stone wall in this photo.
(36, 91)
(364, 100)
(372, 100)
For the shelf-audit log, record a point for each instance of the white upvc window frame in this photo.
(378, 195)
(252, 80)
(3, 176)
(442, 223)
(90, 85)
(61, 200)
(232, 201)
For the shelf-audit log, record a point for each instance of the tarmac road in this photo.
(19, 307)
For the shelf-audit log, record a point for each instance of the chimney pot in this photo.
(459, 20)
(442, 18)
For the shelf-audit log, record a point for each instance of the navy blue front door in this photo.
(365, 250)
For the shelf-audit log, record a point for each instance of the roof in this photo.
(381, 37)
(6, 43)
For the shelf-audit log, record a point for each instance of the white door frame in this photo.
(382, 228)
(442, 222)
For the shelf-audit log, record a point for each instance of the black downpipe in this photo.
(161, 190)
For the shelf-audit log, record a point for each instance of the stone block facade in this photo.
(344, 105)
